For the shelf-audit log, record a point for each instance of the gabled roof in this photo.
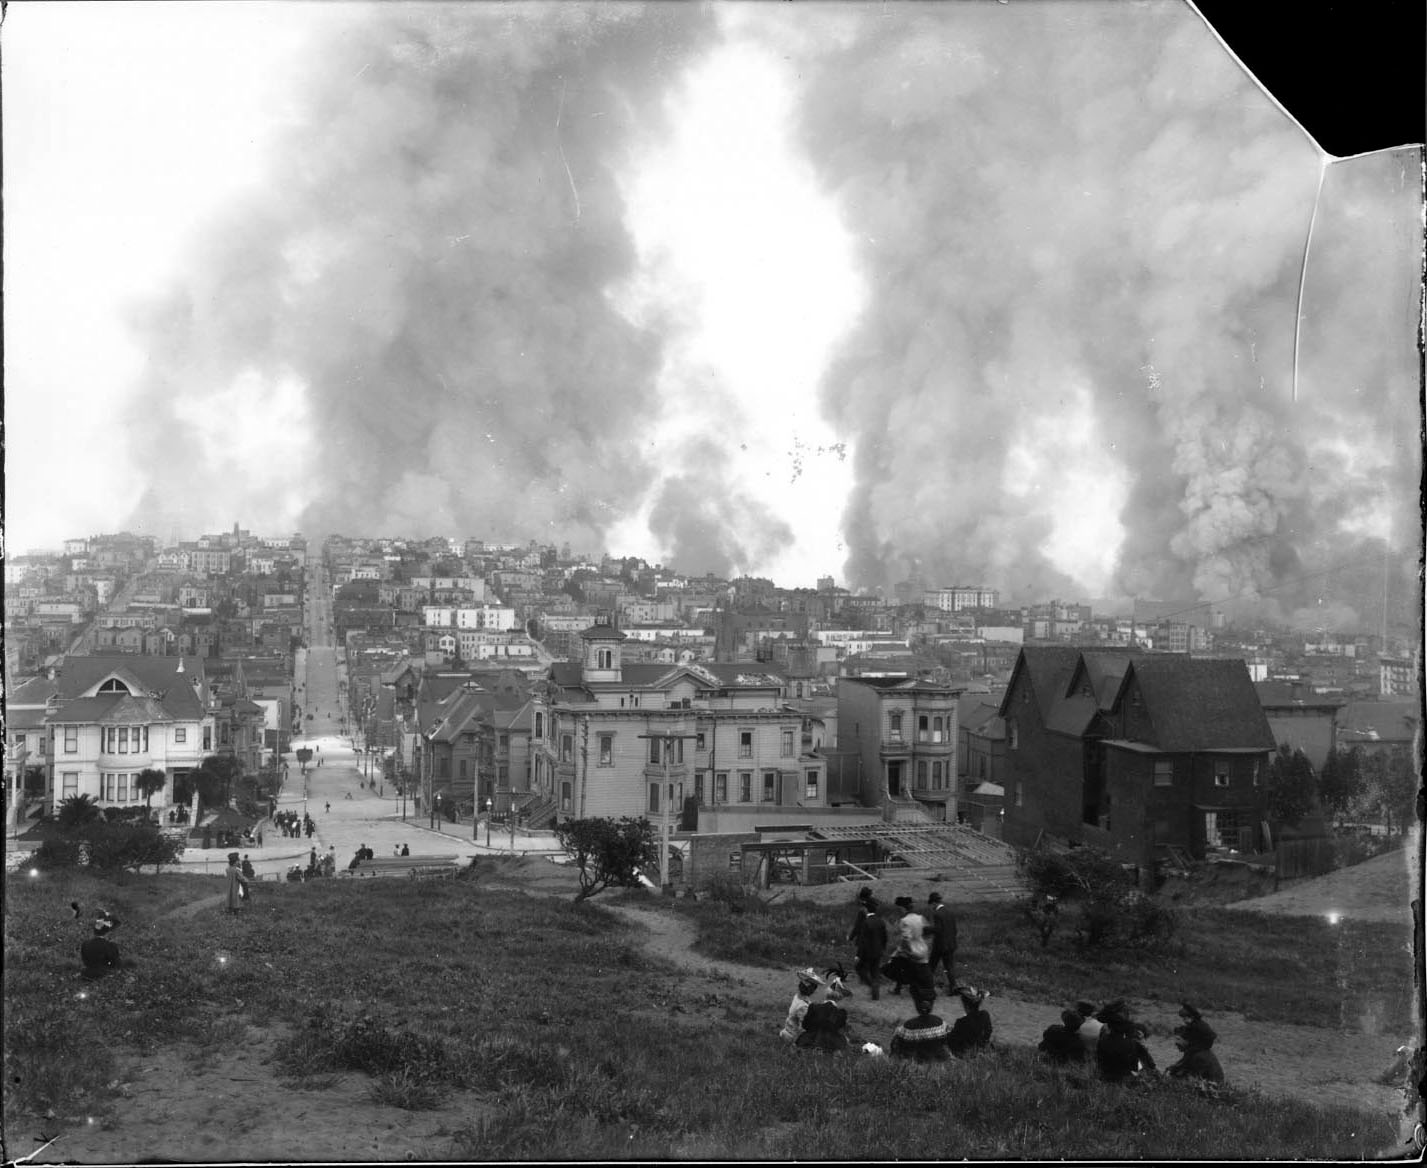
(1047, 669)
(112, 709)
(1199, 703)
(1072, 715)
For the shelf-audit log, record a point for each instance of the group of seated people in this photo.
(1111, 1039)
(1108, 1037)
(816, 1022)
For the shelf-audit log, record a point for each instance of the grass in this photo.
(1221, 960)
(551, 1016)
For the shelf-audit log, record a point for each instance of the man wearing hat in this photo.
(237, 884)
(943, 952)
(99, 954)
(869, 938)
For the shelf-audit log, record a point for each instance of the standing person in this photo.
(329, 807)
(943, 949)
(914, 945)
(869, 934)
(237, 884)
(405, 850)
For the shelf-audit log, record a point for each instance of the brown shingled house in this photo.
(1134, 752)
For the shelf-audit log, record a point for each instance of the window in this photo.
(770, 786)
(936, 776)
(699, 786)
(700, 742)
(654, 749)
(745, 744)
(810, 785)
(923, 728)
(503, 745)
(69, 783)
(180, 734)
(461, 769)
(564, 796)
(539, 725)
(745, 786)
(208, 738)
(145, 731)
(787, 744)
(937, 729)
(921, 772)
(720, 792)
(567, 748)
(71, 740)
(735, 861)
(1020, 795)
(654, 797)
(604, 659)
(606, 750)
(894, 726)
(1221, 774)
(1164, 772)
(443, 767)
(1013, 734)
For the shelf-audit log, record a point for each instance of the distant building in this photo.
(958, 597)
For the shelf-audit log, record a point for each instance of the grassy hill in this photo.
(535, 1028)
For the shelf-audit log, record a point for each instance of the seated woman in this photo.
(809, 983)
(1061, 1043)
(824, 1029)
(98, 954)
(1194, 1040)
(971, 1033)
(922, 1038)
(1121, 1053)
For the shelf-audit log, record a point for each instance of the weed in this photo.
(409, 1089)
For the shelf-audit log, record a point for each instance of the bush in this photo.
(608, 851)
(110, 847)
(1109, 910)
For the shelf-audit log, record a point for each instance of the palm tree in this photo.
(77, 810)
(148, 781)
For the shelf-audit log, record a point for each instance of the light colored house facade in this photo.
(108, 718)
(710, 745)
(897, 736)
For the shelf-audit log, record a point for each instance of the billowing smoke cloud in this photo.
(1087, 218)
(422, 289)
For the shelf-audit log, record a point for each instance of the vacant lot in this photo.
(488, 1019)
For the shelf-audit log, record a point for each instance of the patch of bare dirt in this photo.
(231, 1107)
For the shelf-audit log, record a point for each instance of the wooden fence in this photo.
(1304, 857)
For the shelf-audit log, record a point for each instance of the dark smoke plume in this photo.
(1085, 214)
(430, 264)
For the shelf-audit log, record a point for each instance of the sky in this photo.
(1052, 298)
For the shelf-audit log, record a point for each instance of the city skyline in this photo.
(1002, 291)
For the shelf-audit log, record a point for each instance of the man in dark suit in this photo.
(943, 948)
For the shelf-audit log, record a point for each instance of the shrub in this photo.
(111, 847)
(608, 851)
(1110, 912)
(77, 810)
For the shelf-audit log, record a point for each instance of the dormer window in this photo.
(114, 685)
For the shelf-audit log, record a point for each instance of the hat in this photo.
(933, 897)
(903, 902)
(1197, 1034)
(865, 894)
(810, 976)
(970, 996)
(232, 857)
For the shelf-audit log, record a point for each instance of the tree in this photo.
(304, 756)
(1103, 904)
(215, 778)
(1289, 788)
(149, 781)
(608, 851)
(1341, 781)
(1392, 783)
(77, 810)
